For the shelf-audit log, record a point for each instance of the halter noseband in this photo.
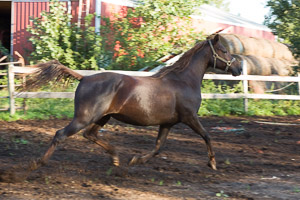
(216, 56)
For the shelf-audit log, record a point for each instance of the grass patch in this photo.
(42, 109)
(226, 107)
(38, 108)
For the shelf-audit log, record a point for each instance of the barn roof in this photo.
(209, 13)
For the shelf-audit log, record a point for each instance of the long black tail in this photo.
(50, 71)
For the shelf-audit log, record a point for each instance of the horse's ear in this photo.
(216, 39)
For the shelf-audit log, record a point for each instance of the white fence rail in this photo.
(12, 70)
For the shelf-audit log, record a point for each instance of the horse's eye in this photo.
(223, 51)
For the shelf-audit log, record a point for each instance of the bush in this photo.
(54, 36)
(150, 31)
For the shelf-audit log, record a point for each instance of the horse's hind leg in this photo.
(20, 174)
(60, 135)
(194, 123)
(91, 134)
(160, 140)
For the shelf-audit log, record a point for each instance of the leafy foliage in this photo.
(150, 31)
(54, 36)
(283, 19)
(146, 33)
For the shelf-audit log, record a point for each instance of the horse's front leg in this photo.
(194, 123)
(160, 140)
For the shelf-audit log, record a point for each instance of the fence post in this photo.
(245, 85)
(11, 89)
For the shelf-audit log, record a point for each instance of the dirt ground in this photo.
(257, 158)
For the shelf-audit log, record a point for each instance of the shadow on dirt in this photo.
(255, 161)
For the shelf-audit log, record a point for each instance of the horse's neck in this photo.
(194, 72)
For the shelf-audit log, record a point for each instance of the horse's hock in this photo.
(263, 57)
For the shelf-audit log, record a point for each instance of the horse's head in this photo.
(222, 59)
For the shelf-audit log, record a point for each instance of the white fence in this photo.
(12, 71)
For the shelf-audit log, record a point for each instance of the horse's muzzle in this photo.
(236, 71)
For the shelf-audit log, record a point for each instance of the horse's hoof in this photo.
(116, 161)
(212, 164)
(135, 160)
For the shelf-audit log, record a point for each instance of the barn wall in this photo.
(22, 12)
(75, 10)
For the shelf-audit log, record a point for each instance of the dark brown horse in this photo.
(170, 96)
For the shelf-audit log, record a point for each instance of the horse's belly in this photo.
(153, 115)
(130, 120)
(143, 120)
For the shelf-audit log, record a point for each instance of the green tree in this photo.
(53, 36)
(151, 30)
(283, 19)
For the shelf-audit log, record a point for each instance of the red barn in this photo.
(15, 14)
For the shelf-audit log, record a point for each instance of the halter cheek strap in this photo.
(216, 56)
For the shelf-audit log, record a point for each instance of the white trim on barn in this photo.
(212, 14)
(127, 3)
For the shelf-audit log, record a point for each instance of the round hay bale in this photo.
(249, 44)
(280, 67)
(281, 51)
(254, 66)
(263, 48)
(257, 65)
(256, 46)
(232, 43)
(239, 44)
(261, 64)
